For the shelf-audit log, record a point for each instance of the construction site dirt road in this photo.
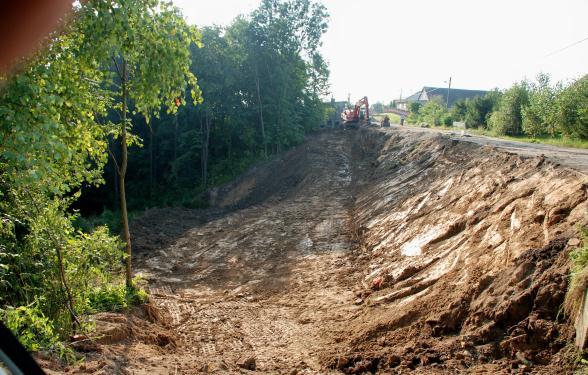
(364, 251)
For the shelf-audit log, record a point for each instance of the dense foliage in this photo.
(122, 74)
(507, 119)
(535, 109)
(261, 78)
(51, 145)
(572, 109)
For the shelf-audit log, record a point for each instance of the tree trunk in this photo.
(260, 113)
(122, 171)
(205, 142)
(115, 172)
(175, 137)
(151, 164)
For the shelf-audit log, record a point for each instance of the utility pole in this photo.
(448, 90)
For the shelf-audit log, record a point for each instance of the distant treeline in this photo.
(534, 109)
(261, 78)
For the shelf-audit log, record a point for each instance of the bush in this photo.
(507, 119)
(572, 109)
(415, 107)
(34, 233)
(33, 329)
(539, 116)
(446, 119)
(459, 109)
(114, 298)
(432, 113)
(479, 109)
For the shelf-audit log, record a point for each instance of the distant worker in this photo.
(401, 120)
(385, 122)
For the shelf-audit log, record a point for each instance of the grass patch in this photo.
(115, 298)
(394, 118)
(553, 141)
(579, 277)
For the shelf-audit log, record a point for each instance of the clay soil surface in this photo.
(358, 252)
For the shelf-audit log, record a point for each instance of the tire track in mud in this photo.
(272, 282)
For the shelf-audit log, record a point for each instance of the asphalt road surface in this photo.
(574, 158)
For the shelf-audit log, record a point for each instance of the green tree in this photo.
(261, 95)
(432, 113)
(414, 108)
(507, 119)
(459, 110)
(539, 117)
(52, 144)
(479, 109)
(289, 73)
(148, 44)
(572, 109)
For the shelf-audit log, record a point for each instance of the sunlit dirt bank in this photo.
(358, 252)
(467, 256)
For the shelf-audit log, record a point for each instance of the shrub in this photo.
(479, 109)
(539, 116)
(459, 109)
(34, 234)
(432, 113)
(572, 109)
(446, 119)
(114, 298)
(33, 329)
(415, 107)
(507, 119)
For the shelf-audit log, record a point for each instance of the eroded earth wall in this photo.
(466, 255)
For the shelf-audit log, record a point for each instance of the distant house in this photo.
(403, 104)
(443, 94)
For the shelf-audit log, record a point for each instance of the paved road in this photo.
(574, 158)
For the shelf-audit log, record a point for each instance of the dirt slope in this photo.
(467, 246)
(358, 252)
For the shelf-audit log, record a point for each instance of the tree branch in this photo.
(113, 159)
(117, 68)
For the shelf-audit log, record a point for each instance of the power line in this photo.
(566, 47)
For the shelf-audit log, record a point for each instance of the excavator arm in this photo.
(353, 115)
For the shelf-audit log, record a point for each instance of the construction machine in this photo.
(352, 117)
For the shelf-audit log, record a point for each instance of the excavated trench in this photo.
(359, 251)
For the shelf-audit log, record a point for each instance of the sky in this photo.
(385, 48)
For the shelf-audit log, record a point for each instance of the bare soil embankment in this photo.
(467, 256)
(356, 252)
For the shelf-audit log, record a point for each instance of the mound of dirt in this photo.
(467, 246)
(111, 346)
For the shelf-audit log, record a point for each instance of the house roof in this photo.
(413, 98)
(454, 94)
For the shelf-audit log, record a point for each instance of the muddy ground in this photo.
(358, 252)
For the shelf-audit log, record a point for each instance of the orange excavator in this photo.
(353, 116)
